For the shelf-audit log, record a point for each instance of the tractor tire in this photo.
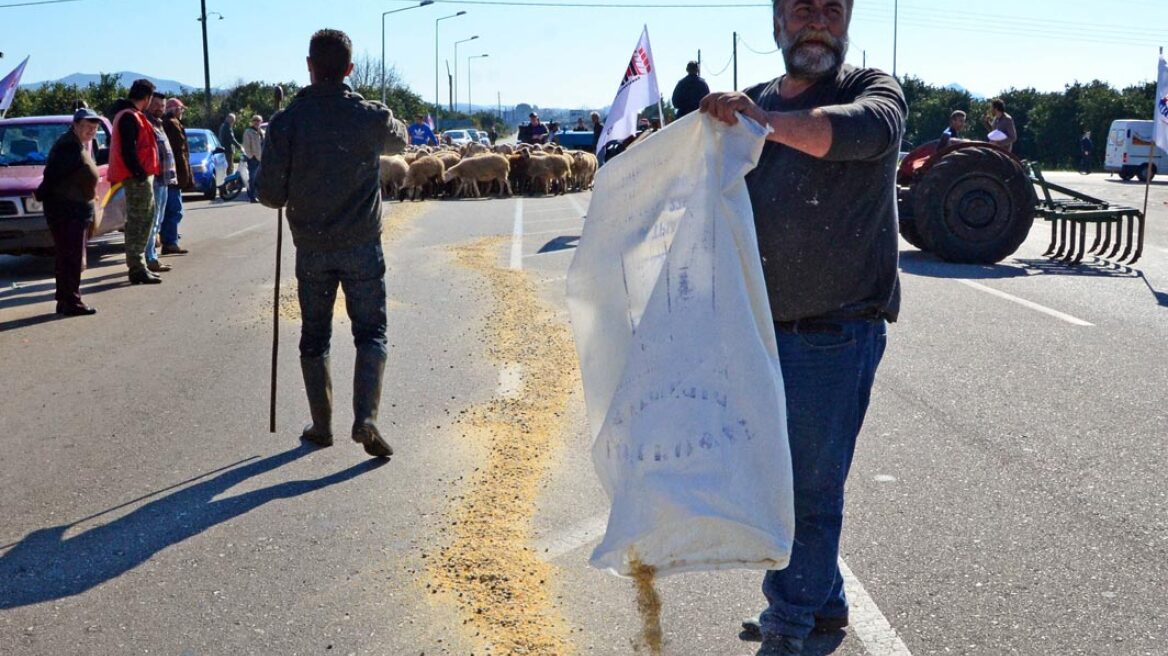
(908, 230)
(975, 206)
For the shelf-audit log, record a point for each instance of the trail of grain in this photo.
(498, 583)
(649, 607)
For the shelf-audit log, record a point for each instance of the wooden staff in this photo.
(276, 295)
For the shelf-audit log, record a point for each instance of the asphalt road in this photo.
(1008, 494)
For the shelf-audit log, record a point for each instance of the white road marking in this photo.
(246, 230)
(572, 219)
(510, 381)
(545, 232)
(562, 543)
(577, 206)
(517, 237)
(867, 621)
(1030, 304)
(865, 618)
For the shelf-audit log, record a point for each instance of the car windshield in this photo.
(28, 144)
(456, 134)
(474, 134)
(200, 142)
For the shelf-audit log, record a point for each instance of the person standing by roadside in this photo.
(690, 90)
(68, 191)
(253, 145)
(597, 128)
(956, 126)
(1086, 148)
(331, 188)
(228, 141)
(134, 163)
(824, 199)
(1002, 123)
(167, 177)
(176, 134)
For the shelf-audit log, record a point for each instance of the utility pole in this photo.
(895, 27)
(735, 51)
(206, 64)
(450, 85)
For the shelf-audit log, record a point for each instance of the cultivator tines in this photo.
(1119, 231)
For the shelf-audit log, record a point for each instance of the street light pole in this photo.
(469, 108)
(206, 63)
(423, 3)
(437, 106)
(454, 101)
(895, 27)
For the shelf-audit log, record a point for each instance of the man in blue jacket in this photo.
(421, 134)
(320, 160)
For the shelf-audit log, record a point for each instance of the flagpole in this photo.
(1148, 173)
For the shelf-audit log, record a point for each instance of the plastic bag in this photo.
(677, 351)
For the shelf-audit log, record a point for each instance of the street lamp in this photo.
(469, 107)
(206, 59)
(438, 107)
(423, 3)
(895, 26)
(455, 99)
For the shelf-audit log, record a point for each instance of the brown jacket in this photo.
(176, 134)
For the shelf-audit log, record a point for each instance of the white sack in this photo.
(677, 350)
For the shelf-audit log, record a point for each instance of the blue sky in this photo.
(575, 56)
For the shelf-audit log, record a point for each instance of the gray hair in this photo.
(776, 4)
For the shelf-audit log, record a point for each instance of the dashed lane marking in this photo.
(246, 230)
(517, 237)
(510, 381)
(577, 206)
(1025, 303)
(867, 621)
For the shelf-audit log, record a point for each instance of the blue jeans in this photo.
(253, 168)
(828, 371)
(160, 194)
(172, 216)
(360, 271)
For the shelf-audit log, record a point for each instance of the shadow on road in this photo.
(46, 565)
(816, 644)
(919, 263)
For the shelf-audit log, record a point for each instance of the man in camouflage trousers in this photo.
(134, 163)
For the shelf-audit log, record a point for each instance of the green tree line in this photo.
(244, 99)
(1050, 124)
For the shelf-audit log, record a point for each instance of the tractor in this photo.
(974, 202)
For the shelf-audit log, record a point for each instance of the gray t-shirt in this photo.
(827, 228)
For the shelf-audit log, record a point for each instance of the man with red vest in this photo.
(134, 163)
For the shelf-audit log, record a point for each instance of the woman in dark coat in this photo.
(68, 192)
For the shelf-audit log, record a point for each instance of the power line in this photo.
(728, 62)
(601, 5)
(33, 3)
(757, 52)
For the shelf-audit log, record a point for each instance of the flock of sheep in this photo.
(474, 169)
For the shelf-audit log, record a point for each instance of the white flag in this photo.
(8, 86)
(637, 91)
(1160, 135)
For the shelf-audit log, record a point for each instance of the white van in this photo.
(1128, 145)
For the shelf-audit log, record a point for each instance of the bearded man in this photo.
(824, 198)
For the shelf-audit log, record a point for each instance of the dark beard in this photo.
(812, 61)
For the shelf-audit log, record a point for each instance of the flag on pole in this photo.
(637, 91)
(8, 86)
(1160, 135)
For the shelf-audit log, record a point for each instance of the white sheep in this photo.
(393, 174)
(481, 168)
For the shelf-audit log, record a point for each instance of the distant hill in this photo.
(957, 87)
(84, 79)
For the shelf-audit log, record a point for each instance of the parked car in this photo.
(24, 148)
(456, 137)
(208, 163)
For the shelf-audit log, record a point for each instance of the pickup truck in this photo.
(24, 149)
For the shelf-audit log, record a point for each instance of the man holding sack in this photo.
(824, 199)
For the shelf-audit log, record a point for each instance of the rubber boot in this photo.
(319, 386)
(367, 376)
